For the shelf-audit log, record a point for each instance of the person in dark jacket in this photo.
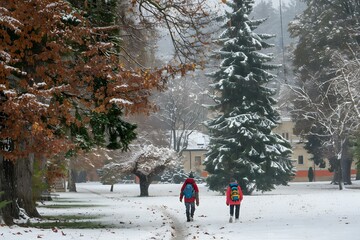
(190, 201)
(234, 196)
(311, 174)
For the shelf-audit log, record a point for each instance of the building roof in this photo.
(198, 141)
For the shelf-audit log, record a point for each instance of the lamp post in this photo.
(282, 40)
(190, 161)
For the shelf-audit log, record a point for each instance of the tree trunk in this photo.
(8, 186)
(357, 171)
(341, 181)
(335, 177)
(72, 179)
(112, 188)
(144, 185)
(346, 162)
(347, 171)
(24, 172)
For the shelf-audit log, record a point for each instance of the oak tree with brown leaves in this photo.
(56, 72)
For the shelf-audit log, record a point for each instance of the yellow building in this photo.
(194, 154)
(300, 157)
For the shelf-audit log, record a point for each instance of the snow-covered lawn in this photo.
(299, 211)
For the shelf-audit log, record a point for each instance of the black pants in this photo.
(190, 209)
(237, 210)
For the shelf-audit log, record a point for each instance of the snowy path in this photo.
(179, 231)
(166, 207)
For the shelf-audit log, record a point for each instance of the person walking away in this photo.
(311, 174)
(234, 196)
(190, 192)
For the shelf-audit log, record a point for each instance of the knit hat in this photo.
(191, 175)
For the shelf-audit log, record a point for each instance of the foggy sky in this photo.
(165, 45)
(275, 2)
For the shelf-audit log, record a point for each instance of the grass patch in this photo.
(69, 224)
(74, 221)
(68, 221)
(56, 206)
(71, 217)
(66, 200)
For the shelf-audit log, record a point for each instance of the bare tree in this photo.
(181, 110)
(185, 21)
(336, 110)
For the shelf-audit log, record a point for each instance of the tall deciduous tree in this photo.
(337, 111)
(103, 17)
(242, 143)
(181, 110)
(56, 73)
(326, 28)
(185, 22)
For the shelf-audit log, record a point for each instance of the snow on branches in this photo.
(144, 161)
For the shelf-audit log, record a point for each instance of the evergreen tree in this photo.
(178, 175)
(242, 144)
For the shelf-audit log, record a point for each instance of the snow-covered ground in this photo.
(299, 211)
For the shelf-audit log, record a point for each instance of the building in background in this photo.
(194, 154)
(301, 159)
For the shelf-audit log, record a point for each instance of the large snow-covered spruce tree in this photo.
(242, 142)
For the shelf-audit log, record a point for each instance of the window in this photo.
(285, 135)
(301, 159)
(197, 160)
